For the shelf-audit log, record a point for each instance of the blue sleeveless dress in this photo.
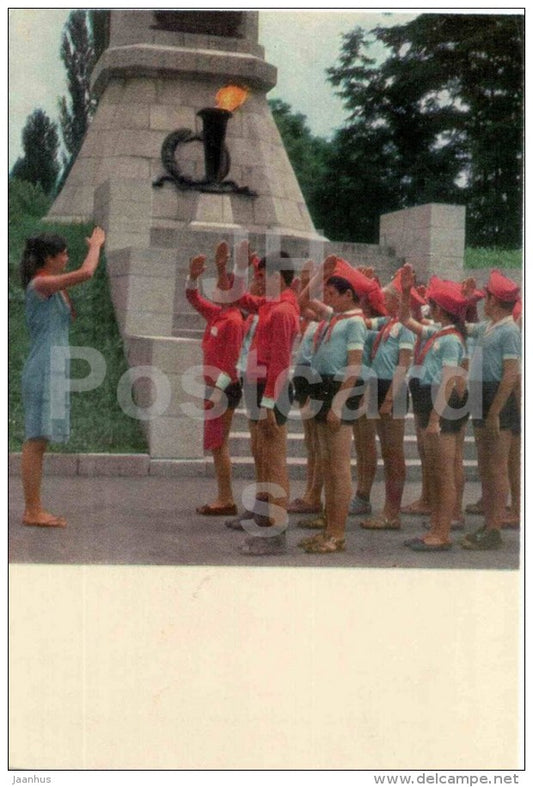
(46, 373)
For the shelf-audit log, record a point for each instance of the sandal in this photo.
(318, 523)
(311, 539)
(381, 523)
(299, 506)
(49, 521)
(209, 510)
(475, 508)
(419, 545)
(327, 545)
(510, 522)
(416, 509)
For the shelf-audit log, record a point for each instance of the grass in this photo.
(493, 258)
(98, 424)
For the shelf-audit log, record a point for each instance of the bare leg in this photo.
(391, 435)
(222, 462)
(422, 505)
(512, 517)
(313, 491)
(443, 472)
(496, 449)
(364, 432)
(459, 475)
(32, 474)
(335, 449)
(272, 448)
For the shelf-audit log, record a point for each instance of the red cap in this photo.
(448, 295)
(376, 301)
(502, 288)
(361, 284)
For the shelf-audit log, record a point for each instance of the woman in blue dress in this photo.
(45, 373)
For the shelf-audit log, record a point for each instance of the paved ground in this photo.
(152, 521)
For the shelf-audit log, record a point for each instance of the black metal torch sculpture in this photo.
(216, 155)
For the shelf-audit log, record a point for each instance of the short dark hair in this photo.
(342, 285)
(36, 250)
(281, 262)
(506, 306)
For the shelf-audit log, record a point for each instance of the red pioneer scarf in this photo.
(383, 335)
(420, 354)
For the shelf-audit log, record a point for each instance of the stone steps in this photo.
(243, 467)
(242, 462)
(240, 446)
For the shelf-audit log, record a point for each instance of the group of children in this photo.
(350, 354)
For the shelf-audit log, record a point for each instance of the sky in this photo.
(302, 43)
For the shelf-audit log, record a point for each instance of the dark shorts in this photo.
(326, 390)
(253, 394)
(233, 393)
(377, 390)
(423, 405)
(300, 386)
(510, 416)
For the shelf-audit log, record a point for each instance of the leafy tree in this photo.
(99, 24)
(307, 154)
(444, 109)
(78, 55)
(40, 143)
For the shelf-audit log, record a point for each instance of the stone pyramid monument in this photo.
(169, 171)
(158, 71)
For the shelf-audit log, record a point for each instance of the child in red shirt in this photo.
(221, 345)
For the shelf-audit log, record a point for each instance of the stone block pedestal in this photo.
(431, 237)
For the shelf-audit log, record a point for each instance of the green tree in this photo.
(78, 55)
(40, 143)
(99, 24)
(307, 154)
(444, 106)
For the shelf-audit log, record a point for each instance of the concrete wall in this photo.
(431, 237)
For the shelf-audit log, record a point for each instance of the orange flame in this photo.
(231, 97)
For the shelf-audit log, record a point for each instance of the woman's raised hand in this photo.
(97, 237)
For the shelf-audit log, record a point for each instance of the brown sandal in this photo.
(209, 510)
(326, 545)
(416, 508)
(317, 523)
(381, 523)
(311, 539)
(299, 506)
(50, 521)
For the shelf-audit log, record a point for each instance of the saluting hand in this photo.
(407, 278)
(329, 265)
(221, 256)
(242, 255)
(468, 286)
(197, 266)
